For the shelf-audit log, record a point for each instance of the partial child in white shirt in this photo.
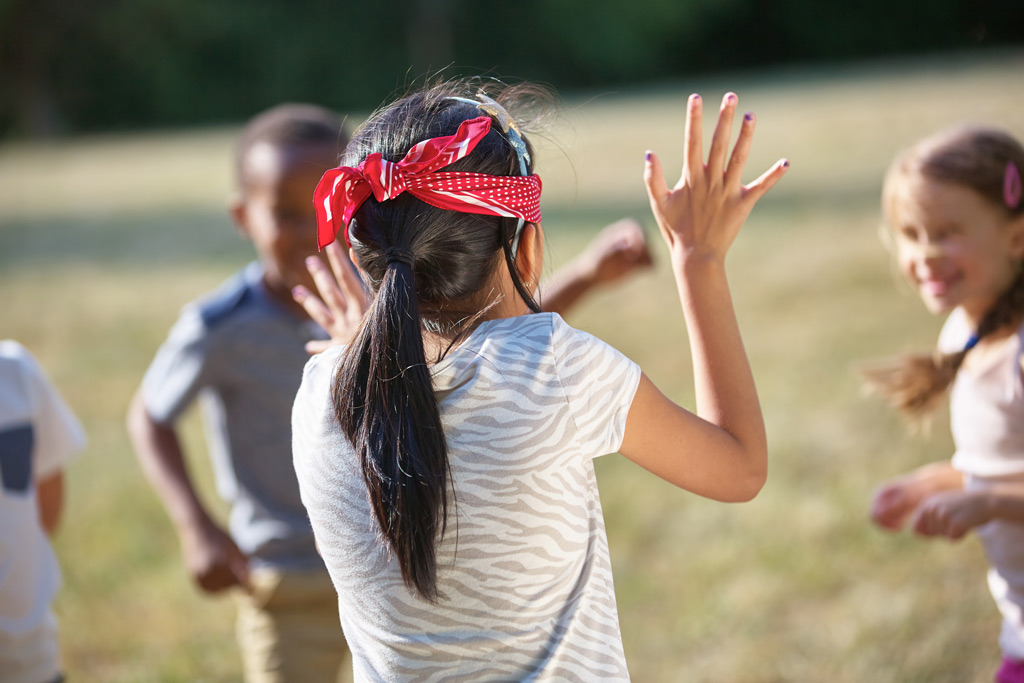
(38, 437)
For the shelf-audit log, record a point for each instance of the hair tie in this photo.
(972, 342)
(1011, 185)
(343, 190)
(398, 255)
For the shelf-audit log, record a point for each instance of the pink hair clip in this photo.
(1011, 185)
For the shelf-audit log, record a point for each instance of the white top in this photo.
(524, 570)
(986, 403)
(987, 416)
(38, 435)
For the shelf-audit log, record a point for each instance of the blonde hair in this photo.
(979, 159)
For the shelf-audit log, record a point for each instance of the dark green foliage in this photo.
(109, 64)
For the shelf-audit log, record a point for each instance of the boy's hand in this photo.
(952, 514)
(342, 302)
(619, 249)
(701, 216)
(213, 560)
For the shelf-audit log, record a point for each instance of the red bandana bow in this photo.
(342, 190)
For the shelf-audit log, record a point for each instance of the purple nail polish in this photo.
(696, 96)
(749, 116)
(647, 156)
(785, 164)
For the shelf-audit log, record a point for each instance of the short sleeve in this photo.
(180, 369)
(57, 434)
(955, 333)
(599, 384)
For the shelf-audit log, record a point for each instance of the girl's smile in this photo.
(955, 247)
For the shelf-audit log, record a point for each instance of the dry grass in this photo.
(103, 239)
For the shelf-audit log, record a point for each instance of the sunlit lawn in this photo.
(103, 239)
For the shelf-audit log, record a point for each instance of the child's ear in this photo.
(530, 254)
(239, 216)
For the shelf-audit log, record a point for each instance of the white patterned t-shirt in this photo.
(523, 571)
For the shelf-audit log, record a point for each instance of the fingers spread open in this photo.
(738, 160)
(657, 188)
(693, 164)
(720, 139)
(327, 285)
(347, 278)
(314, 308)
(756, 189)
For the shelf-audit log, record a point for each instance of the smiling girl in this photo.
(954, 206)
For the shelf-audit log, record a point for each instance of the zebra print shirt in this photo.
(524, 570)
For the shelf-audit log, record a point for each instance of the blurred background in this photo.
(118, 121)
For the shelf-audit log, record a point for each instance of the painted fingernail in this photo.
(695, 97)
(647, 156)
(785, 163)
(731, 97)
(298, 293)
(749, 116)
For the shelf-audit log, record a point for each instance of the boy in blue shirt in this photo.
(240, 351)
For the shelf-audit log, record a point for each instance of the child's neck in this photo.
(282, 296)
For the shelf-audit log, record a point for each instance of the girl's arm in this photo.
(953, 513)
(618, 250)
(896, 499)
(721, 451)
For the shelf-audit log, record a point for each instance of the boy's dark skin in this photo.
(273, 210)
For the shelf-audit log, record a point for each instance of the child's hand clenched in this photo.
(701, 216)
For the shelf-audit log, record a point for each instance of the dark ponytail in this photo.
(428, 269)
(391, 416)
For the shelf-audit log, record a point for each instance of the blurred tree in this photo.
(70, 65)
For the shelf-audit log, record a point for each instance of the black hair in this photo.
(427, 268)
(288, 126)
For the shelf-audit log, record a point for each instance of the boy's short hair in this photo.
(288, 125)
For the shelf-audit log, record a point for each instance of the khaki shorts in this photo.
(288, 629)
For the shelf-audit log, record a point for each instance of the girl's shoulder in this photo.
(956, 331)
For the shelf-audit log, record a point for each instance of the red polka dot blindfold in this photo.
(342, 190)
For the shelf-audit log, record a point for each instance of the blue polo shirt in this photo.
(241, 354)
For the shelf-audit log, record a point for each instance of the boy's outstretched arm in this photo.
(618, 250)
(211, 557)
(721, 451)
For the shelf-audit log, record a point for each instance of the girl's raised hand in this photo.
(339, 308)
(701, 216)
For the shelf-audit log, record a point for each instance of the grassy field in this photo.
(103, 239)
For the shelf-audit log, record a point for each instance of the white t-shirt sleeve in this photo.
(956, 331)
(57, 434)
(599, 384)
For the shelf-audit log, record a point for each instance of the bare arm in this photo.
(954, 512)
(212, 558)
(50, 497)
(897, 498)
(721, 451)
(618, 250)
